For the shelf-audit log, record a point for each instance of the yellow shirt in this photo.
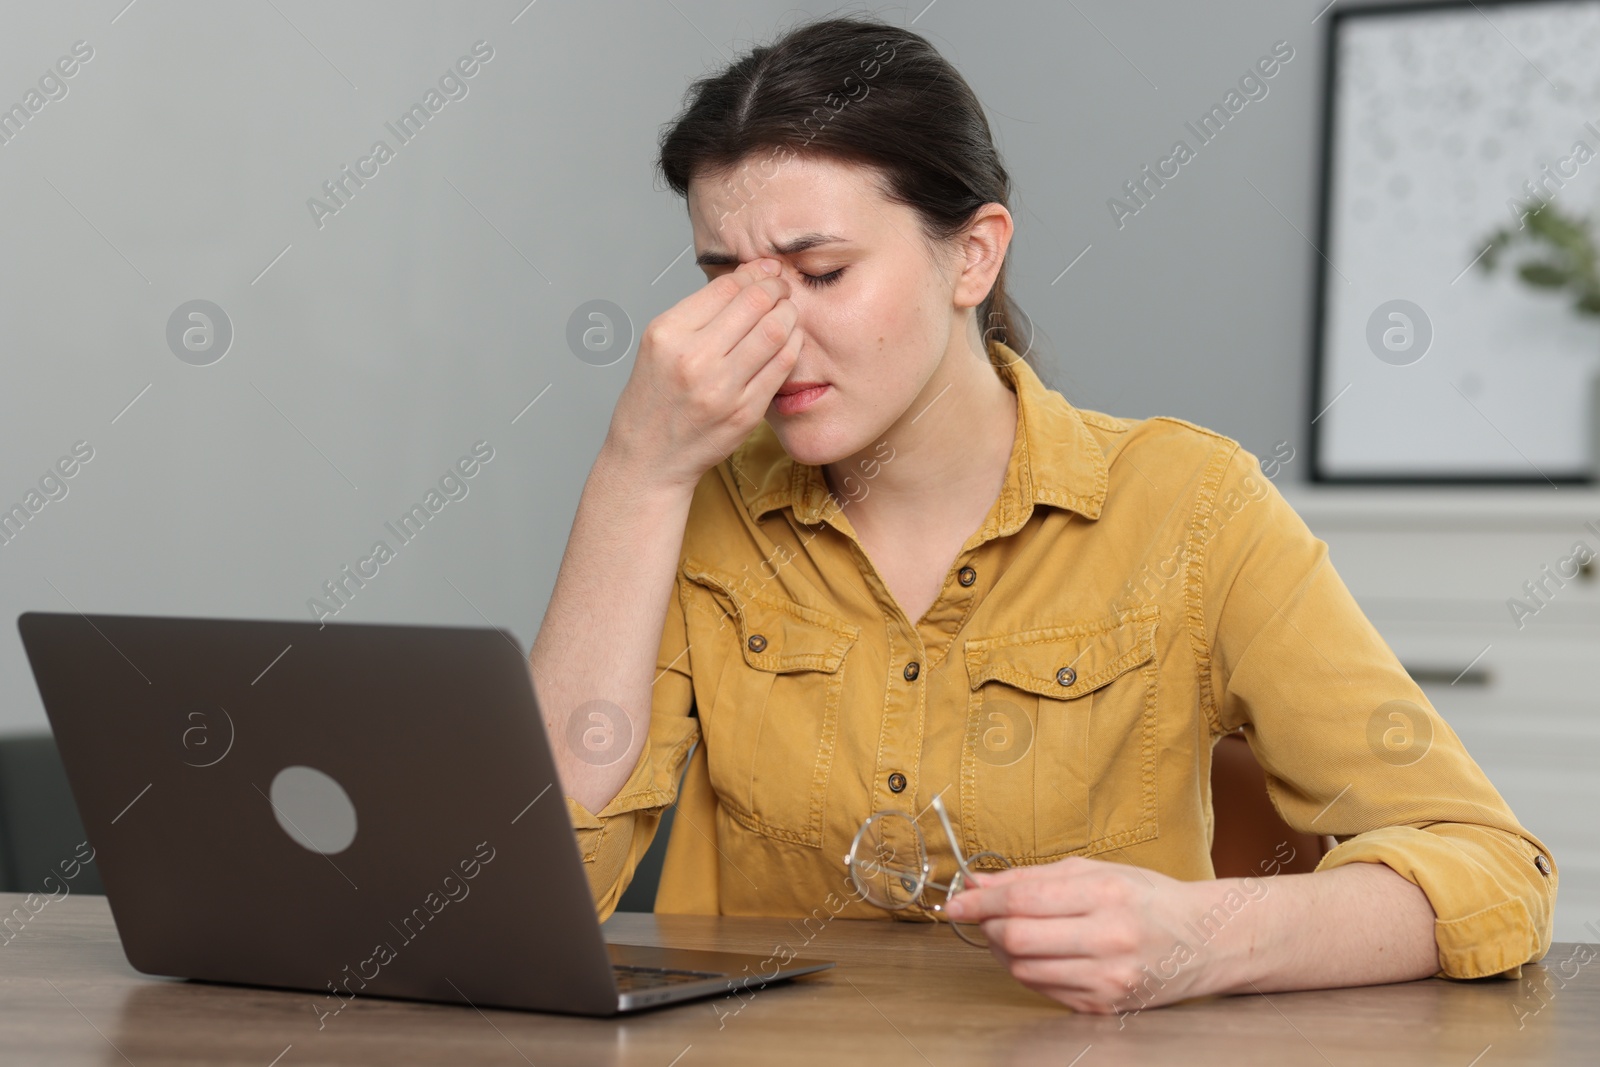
(1138, 589)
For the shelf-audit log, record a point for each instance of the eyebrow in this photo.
(788, 248)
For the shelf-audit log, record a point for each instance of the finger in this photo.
(751, 327)
(1114, 980)
(697, 309)
(767, 337)
(769, 376)
(1073, 937)
(1077, 975)
(1072, 866)
(1061, 895)
(733, 311)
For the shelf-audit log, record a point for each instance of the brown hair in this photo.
(860, 90)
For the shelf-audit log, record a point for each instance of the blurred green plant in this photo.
(1568, 260)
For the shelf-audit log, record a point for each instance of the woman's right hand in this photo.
(706, 371)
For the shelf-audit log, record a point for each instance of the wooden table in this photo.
(903, 993)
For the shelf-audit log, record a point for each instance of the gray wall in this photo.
(371, 352)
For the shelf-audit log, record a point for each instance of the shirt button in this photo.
(1066, 676)
(912, 670)
(756, 642)
(966, 576)
(1543, 864)
(897, 782)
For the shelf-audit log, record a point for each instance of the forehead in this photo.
(765, 202)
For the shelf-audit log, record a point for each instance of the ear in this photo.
(984, 245)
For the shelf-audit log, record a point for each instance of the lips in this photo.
(799, 396)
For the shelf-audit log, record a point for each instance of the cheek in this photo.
(893, 304)
(877, 339)
(872, 333)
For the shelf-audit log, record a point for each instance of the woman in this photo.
(842, 536)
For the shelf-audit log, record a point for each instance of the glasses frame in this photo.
(924, 876)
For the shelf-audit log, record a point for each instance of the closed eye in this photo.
(818, 281)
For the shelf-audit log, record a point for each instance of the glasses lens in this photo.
(983, 862)
(888, 861)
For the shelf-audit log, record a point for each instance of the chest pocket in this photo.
(771, 722)
(1060, 750)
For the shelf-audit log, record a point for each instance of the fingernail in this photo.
(769, 265)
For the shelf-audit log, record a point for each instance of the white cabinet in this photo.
(1437, 570)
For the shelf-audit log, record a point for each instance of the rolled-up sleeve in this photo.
(614, 839)
(1350, 744)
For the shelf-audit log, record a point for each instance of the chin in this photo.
(816, 445)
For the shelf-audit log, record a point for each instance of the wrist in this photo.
(1231, 921)
(640, 477)
(642, 469)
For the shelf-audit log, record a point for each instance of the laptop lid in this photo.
(350, 809)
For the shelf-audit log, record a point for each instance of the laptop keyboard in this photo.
(631, 978)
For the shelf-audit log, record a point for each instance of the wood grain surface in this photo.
(902, 993)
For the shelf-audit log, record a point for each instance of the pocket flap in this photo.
(775, 635)
(1063, 662)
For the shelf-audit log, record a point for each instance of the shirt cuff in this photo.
(614, 839)
(1492, 903)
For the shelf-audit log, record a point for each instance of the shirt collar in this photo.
(1055, 460)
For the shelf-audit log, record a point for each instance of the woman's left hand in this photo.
(1099, 937)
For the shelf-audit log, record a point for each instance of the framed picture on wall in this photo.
(1457, 331)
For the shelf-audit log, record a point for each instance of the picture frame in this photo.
(1444, 122)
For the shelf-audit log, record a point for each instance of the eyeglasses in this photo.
(889, 864)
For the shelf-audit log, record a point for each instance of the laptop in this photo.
(346, 809)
